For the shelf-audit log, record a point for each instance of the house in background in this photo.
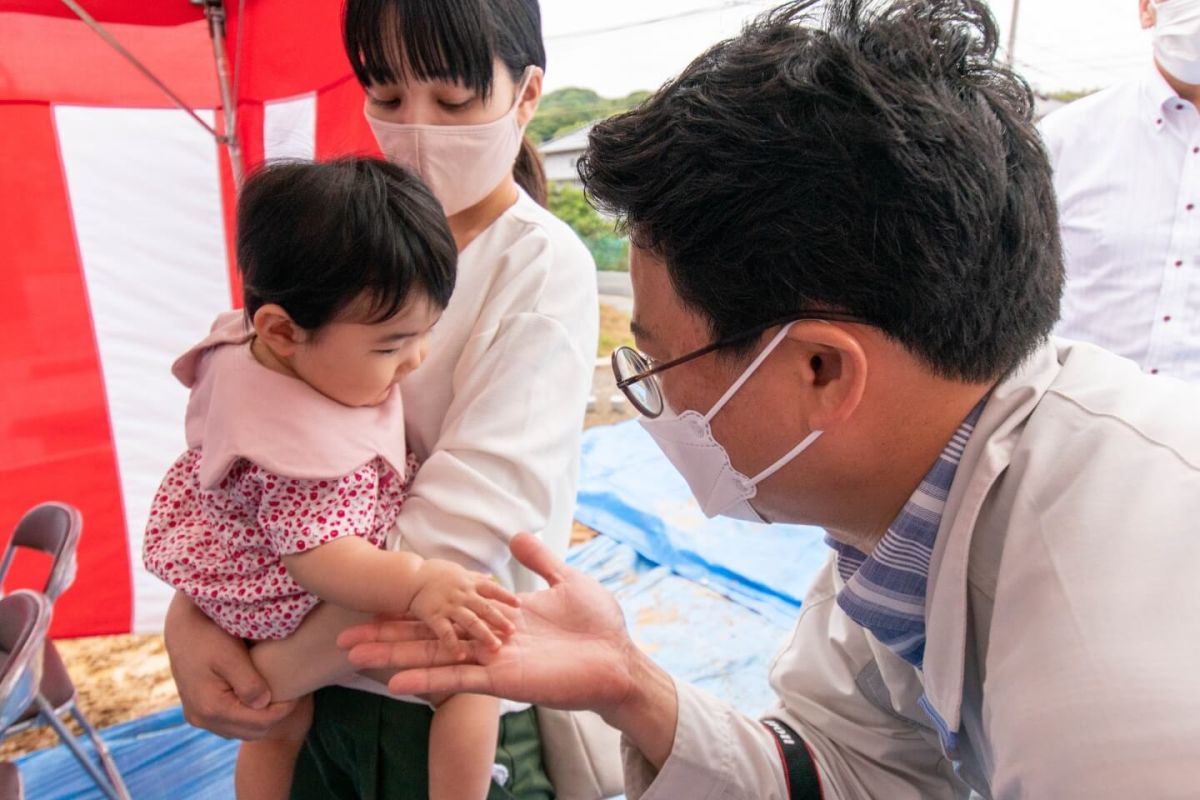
(562, 154)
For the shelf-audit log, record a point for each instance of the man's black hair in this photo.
(316, 237)
(877, 162)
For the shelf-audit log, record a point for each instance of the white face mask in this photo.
(461, 164)
(687, 440)
(1177, 38)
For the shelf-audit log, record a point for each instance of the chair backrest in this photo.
(53, 529)
(24, 621)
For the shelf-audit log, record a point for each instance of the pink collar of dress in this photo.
(240, 409)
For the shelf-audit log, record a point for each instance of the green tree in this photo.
(566, 110)
(608, 247)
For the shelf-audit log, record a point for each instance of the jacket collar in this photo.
(986, 457)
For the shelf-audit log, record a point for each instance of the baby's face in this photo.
(357, 363)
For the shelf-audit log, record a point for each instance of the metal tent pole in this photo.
(142, 68)
(214, 11)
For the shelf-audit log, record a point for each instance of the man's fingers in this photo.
(359, 634)
(529, 550)
(457, 678)
(401, 655)
(390, 631)
(443, 629)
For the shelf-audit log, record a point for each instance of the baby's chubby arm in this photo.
(352, 573)
(356, 581)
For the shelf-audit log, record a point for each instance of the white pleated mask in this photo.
(688, 442)
(1177, 38)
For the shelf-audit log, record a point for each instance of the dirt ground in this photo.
(120, 678)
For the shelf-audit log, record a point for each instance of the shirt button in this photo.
(1178, 263)
(1167, 318)
(1196, 149)
(1154, 371)
(1179, 106)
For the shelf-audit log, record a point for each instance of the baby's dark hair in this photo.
(315, 237)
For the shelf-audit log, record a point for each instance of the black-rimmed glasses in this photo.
(638, 377)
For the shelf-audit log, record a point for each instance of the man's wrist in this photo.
(649, 713)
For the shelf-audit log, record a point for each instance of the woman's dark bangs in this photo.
(389, 41)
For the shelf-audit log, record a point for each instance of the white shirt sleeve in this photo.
(505, 459)
(510, 433)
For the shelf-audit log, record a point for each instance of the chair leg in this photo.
(110, 764)
(73, 745)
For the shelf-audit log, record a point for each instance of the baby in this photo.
(273, 520)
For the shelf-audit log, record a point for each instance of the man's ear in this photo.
(833, 369)
(1147, 13)
(277, 330)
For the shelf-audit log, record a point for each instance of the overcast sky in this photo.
(618, 46)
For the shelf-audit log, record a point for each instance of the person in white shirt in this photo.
(495, 413)
(1127, 175)
(846, 269)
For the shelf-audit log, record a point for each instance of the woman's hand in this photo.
(218, 685)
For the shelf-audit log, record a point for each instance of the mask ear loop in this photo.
(526, 77)
(791, 454)
(750, 370)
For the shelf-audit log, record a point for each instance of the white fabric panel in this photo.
(145, 194)
(290, 128)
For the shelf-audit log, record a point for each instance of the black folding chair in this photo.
(11, 787)
(53, 529)
(24, 620)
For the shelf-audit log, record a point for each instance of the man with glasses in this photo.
(846, 267)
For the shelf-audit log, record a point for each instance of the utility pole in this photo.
(1012, 32)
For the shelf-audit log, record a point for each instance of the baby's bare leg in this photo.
(309, 658)
(265, 767)
(462, 747)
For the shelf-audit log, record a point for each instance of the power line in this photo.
(695, 12)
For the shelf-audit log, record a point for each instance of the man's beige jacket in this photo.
(1062, 618)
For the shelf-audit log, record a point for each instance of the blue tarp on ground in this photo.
(629, 491)
(671, 569)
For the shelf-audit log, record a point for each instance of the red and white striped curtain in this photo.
(116, 213)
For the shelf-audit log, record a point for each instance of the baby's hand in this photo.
(449, 595)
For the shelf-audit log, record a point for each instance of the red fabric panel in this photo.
(135, 12)
(341, 127)
(55, 438)
(291, 47)
(34, 64)
(229, 209)
(250, 130)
